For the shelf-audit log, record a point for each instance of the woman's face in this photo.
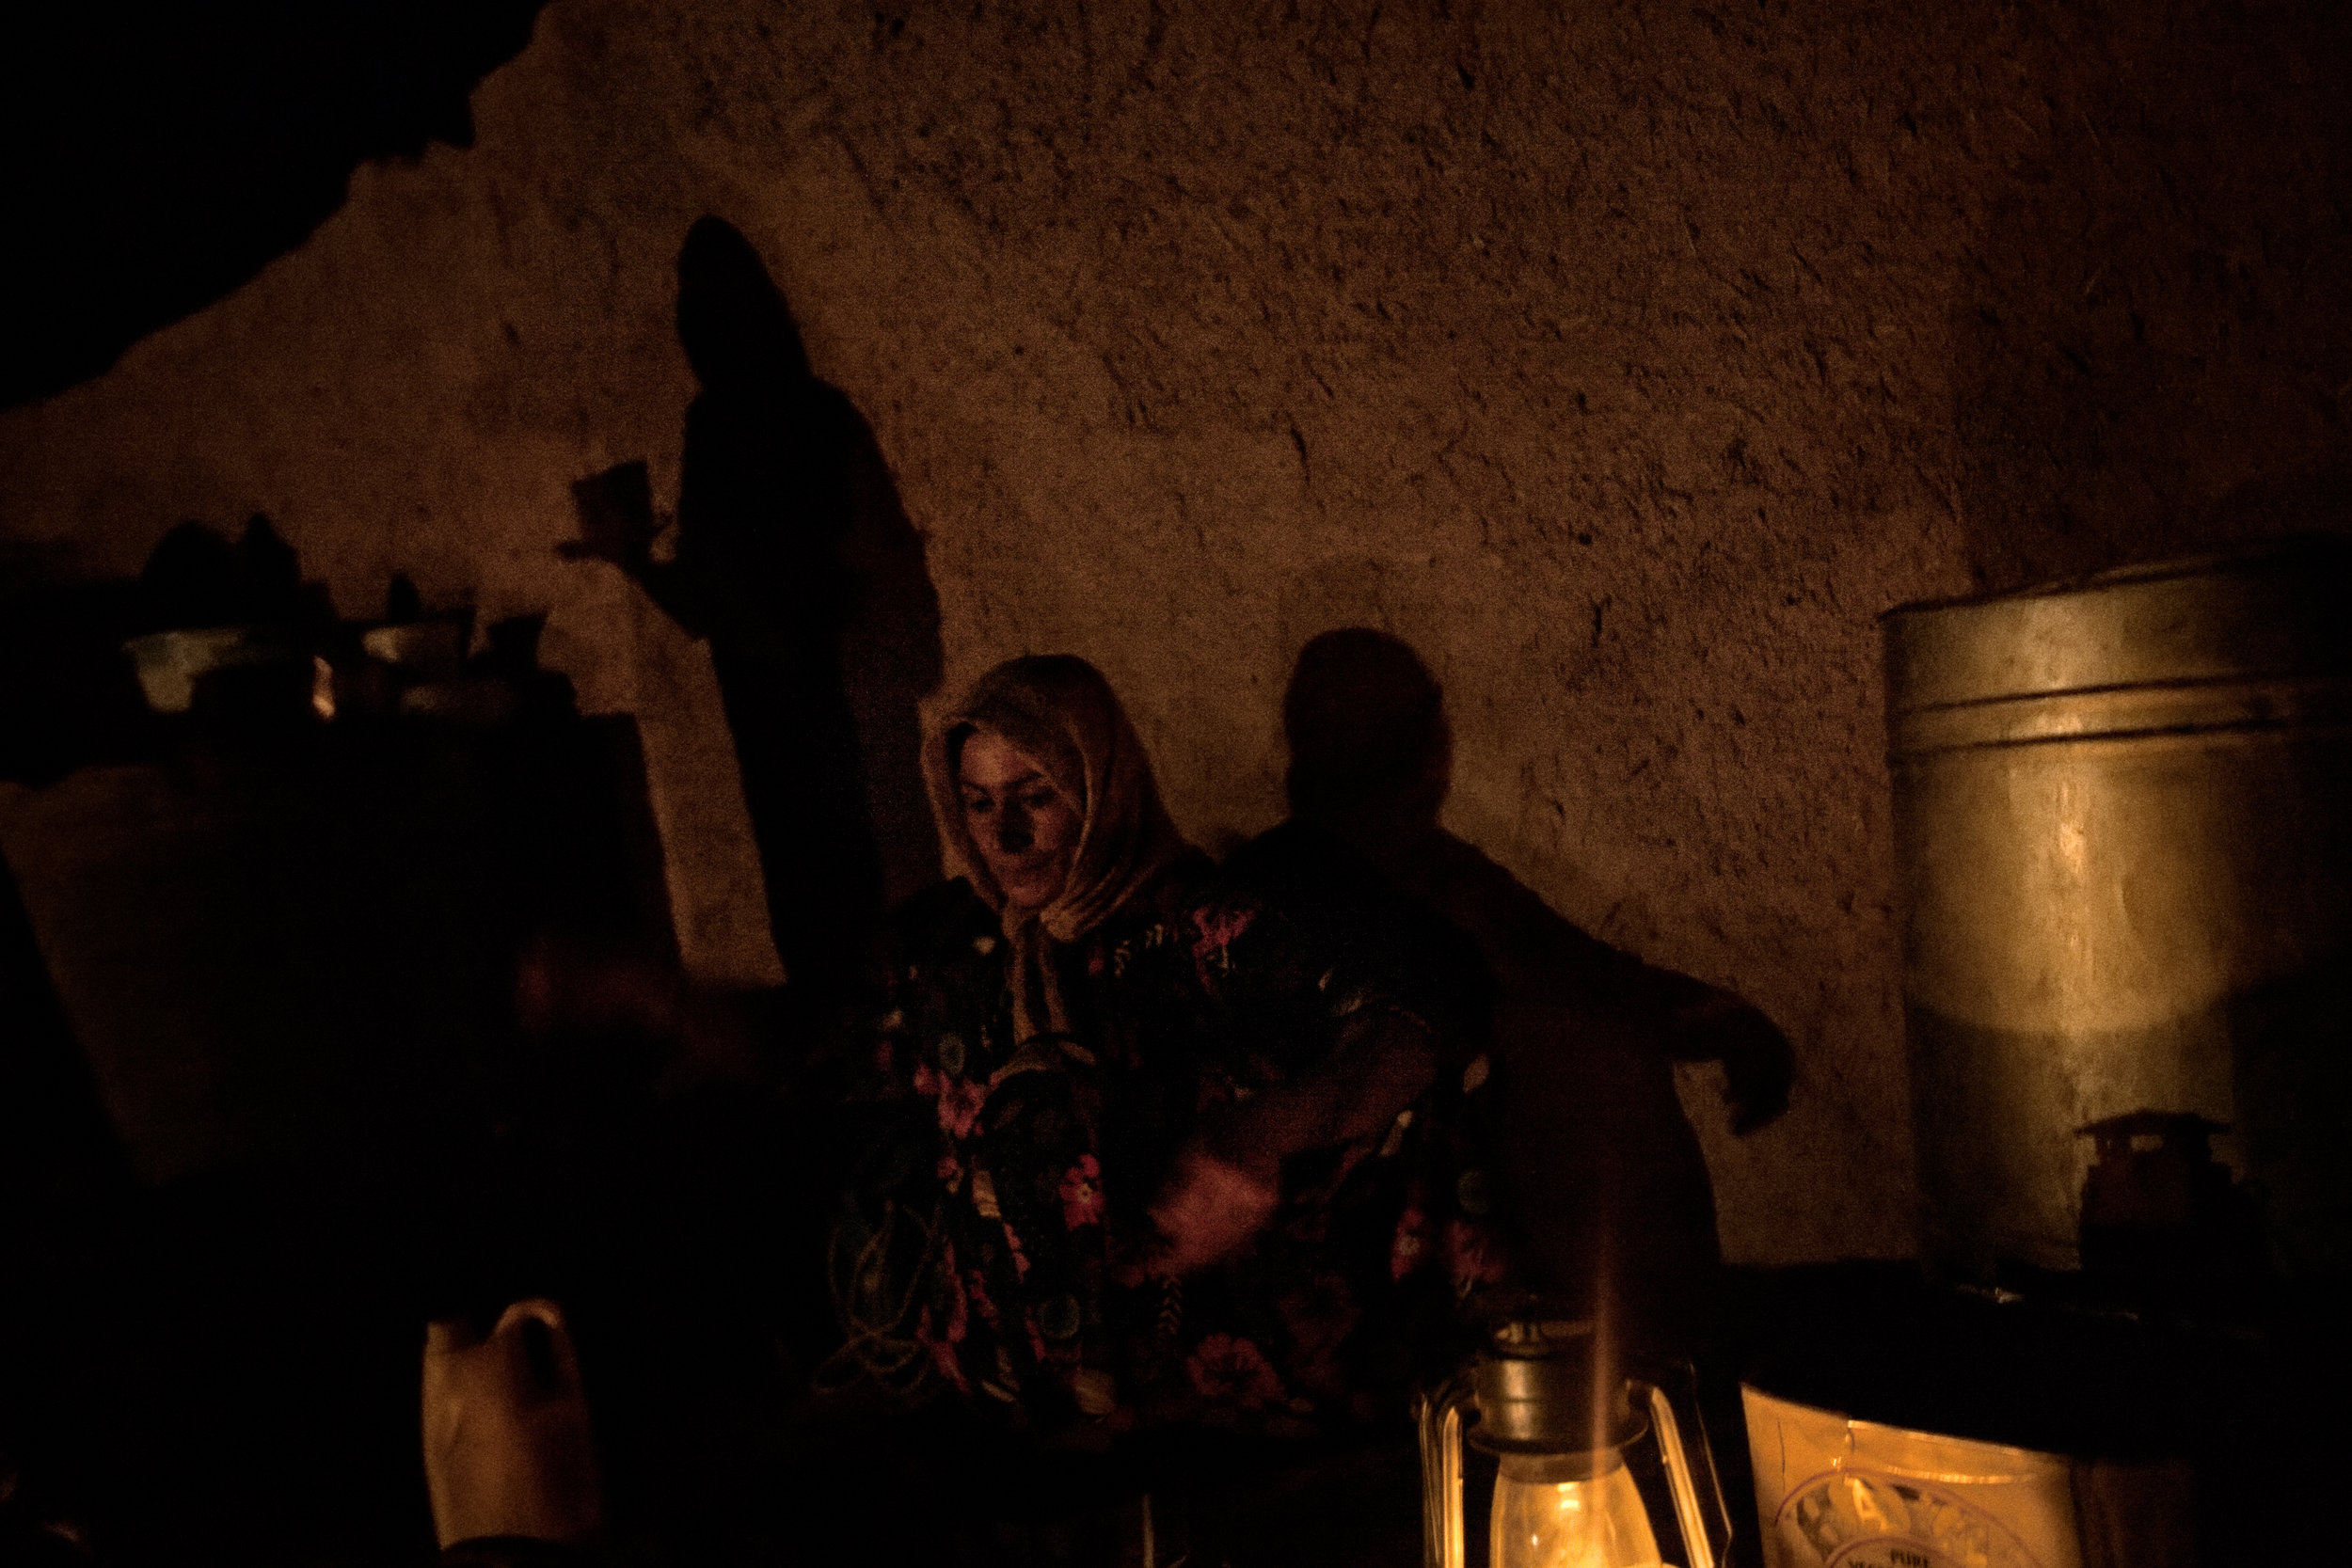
(1026, 827)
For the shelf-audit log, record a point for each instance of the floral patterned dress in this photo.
(995, 1239)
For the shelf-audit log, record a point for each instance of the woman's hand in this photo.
(1209, 1210)
(1226, 1185)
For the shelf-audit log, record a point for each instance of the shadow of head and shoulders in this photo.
(766, 501)
(1596, 1149)
(1371, 766)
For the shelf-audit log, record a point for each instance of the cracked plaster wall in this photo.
(1628, 361)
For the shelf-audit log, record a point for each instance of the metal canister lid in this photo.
(2258, 636)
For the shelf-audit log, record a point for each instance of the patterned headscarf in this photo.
(1058, 711)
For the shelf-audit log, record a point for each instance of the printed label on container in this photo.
(1855, 1518)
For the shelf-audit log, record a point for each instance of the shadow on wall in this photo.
(2146, 353)
(1598, 1163)
(794, 558)
(164, 163)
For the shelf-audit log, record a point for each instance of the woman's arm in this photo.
(1225, 1188)
(1382, 1065)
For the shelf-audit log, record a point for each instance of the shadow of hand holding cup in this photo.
(508, 1448)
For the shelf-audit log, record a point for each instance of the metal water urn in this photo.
(2124, 824)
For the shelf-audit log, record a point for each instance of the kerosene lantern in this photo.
(1598, 1469)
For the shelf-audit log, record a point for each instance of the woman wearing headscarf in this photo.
(1137, 1153)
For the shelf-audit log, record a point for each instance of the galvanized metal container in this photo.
(2125, 836)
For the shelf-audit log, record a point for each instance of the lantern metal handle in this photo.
(1683, 1478)
(1704, 1522)
(1439, 1419)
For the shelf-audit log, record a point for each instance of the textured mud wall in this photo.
(1626, 361)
